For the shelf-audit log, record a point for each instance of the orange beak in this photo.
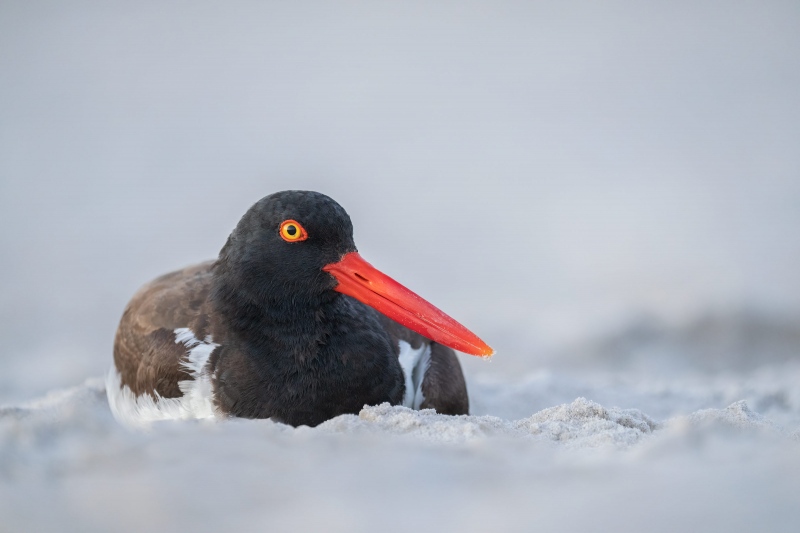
(368, 285)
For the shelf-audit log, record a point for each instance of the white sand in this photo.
(65, 465)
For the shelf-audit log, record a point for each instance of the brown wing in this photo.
(145, 352)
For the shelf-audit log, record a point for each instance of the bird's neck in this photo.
(273, 322)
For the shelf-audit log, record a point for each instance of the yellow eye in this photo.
(292, 231)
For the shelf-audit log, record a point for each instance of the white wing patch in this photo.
(415, 363)
(196, 402)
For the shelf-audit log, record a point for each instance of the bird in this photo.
(289, 323)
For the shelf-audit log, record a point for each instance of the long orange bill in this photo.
(365, 283)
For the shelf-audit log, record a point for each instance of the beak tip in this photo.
(486, 352)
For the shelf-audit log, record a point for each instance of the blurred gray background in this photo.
(547, 173)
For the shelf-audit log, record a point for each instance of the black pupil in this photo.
(291, 230)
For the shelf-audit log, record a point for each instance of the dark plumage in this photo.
(291, 347)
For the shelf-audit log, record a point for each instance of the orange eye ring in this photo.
(292, 231)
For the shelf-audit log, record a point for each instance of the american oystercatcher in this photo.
(288, 323)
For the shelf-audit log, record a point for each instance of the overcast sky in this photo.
(542, 172)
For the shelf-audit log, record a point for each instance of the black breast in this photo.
(304, 376)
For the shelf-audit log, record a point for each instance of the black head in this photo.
(262, 265)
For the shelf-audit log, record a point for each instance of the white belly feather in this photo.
(196, 402)
(415, 363)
